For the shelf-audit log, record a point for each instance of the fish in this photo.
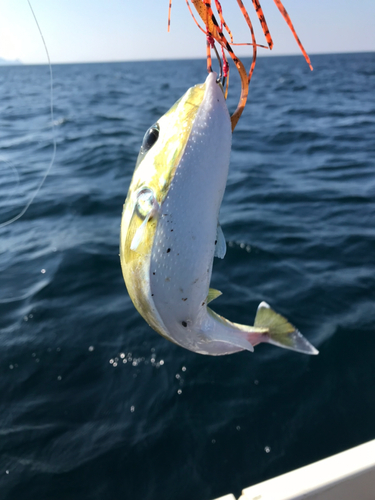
(170, 231)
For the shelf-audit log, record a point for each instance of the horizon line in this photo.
(18, 62)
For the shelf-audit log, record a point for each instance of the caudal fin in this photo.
(280, 331)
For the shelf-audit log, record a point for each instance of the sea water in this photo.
(95, 404)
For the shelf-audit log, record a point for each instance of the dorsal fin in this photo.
(212, 295)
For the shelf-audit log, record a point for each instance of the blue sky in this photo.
(120, 30)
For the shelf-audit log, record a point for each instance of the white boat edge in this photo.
(349, 475)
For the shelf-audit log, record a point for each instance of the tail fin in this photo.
(280, 331)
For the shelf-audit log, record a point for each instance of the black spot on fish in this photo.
(168, 250)
(153, 274)
(184, 299)
(184, 324)
(203, 303)
(171, 230)
(215, 242)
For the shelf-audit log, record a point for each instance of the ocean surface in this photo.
(96, 405)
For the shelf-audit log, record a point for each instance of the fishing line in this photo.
(23, 211)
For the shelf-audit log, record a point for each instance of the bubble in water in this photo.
(238, 428)
(111, 361)
(59, 377)
(183, 368)
(43, 271)
(267, 449)
(177, 376)
(91, 348)
(161, 362)
(122, 355)
(11, 367)
(213, 441)
(179, 391)
(132, 408)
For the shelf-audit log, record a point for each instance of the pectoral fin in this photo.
(145, 205)
(139, 234)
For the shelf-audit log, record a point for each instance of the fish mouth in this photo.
(213, 84)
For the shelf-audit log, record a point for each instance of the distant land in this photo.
(6, 62)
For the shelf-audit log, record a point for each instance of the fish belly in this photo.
(184, 244)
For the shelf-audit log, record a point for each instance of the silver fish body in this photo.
(170, 231)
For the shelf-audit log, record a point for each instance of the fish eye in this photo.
(151, 136)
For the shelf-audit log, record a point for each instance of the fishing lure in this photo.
(170, 232)
(214, 32)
